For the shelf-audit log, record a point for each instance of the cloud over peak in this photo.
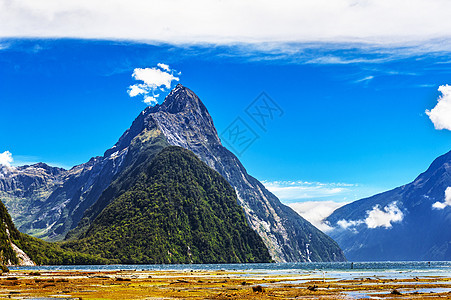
(440, 115)
(154, 80)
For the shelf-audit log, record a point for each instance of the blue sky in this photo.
(354, 119)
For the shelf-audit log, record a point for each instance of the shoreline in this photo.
(216, 284)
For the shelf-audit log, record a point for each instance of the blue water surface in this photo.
(440, 266)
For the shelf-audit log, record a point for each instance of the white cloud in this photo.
(440, 115)
(149, 100)
(164, 67)
(6, 159)
(209, 21)
(376, 217)
(316, 211)
(325, 198)
(347, 224)
(136, 90)
(442, 205)
(383, 218)
(154, 79)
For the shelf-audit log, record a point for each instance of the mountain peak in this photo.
(181, 99)
(183, 114)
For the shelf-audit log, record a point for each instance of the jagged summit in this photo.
(180, 107)
(182, 99)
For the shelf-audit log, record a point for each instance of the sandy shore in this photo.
(212, 285)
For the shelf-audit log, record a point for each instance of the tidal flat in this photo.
(199, 284)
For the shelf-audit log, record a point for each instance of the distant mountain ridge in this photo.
(74, 198)
(55, 199)
(414, 220)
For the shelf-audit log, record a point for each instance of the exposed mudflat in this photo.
(212, 285)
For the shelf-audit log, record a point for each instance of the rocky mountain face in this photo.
(410, 222)
(182, 120)
(47, 202)
(174, 209)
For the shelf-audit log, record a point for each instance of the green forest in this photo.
(177, 210)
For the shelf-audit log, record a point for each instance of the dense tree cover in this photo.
(141, 150)
(175, 210)
(41, 252)
(6, 227)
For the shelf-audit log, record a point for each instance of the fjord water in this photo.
(338, 270)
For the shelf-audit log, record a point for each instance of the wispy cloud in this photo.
(3, 46)
(365, 79)
(156, 79)
(303, 190)
(340, 53)
(316, 212)
(440, 115)
(345, 60)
